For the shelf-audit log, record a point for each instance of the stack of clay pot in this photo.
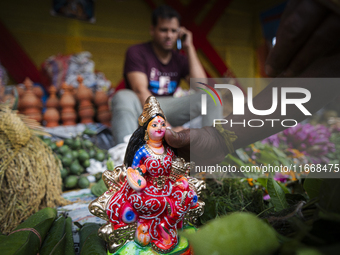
(84, 96)
(67, 104)
(103, 112)
(30, 104)
(51, 115)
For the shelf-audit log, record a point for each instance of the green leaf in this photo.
(330, 195)
(237, 233)
(277, 195)
(266, 157)
(284, 161)
(236, 160)
(279, 152)
(284, 188)
(263, 182)
(242, 155)
(312, 187)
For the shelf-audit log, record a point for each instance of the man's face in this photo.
(165, 33)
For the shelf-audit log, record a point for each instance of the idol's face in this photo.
(156, 128)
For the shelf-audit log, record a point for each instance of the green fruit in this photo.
(68, 141)
(83, 155)
(63, 149)
(63, 173)
(47, 141)
(53, 146)
(69, 154)
(76, 144)
(83, 182)
(71, 181)
(76, 169)
(86, 163)
(88, 131)
(100, 156)
(60, 156)
(87, 143)
(92, 153)
(75, 154)
(66, 161)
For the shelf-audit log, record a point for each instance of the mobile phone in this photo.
(179, 41)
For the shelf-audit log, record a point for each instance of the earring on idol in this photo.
(146, 136)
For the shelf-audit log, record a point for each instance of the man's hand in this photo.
(308, 31)
(205, 145)
(187, 42)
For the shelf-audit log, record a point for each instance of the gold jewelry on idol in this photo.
(151, 108)
(146, 136)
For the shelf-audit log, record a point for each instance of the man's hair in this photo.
(164, 12)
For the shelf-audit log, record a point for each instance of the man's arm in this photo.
(139, 84)
(207, 145)
(195, 67)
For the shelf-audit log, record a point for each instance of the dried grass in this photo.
(29, 172)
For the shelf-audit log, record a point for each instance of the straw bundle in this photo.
(29, 173)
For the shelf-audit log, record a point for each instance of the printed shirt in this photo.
(163, 78)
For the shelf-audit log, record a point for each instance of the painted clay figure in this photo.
(154, 197)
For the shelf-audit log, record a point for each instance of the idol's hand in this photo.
(308, 31)
(205, 146)
(135, 180)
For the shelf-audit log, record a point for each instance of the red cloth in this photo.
(14, 58)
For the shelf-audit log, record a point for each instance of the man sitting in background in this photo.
(155, 68)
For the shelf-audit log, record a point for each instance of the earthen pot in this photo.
(104, 118)
(86, 114)
(68, 116)
(38, 92)
(83, 92)
(33, 113)
(85, 103)
(67, 100)
(100, 98)
(29, 100)
(51, 116)
(53, 100)
(103, 108)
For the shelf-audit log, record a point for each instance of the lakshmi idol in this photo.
(153, 198)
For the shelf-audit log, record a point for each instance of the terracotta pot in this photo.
(104, 117)
(100, 98)
(83, 92)
(86, 115)
(38, 91)
(33, 113)
(51, 116)
(103, 108)
(29, 100)
(67, 100)
(85, 103)
(52, 101)
(68, 116)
